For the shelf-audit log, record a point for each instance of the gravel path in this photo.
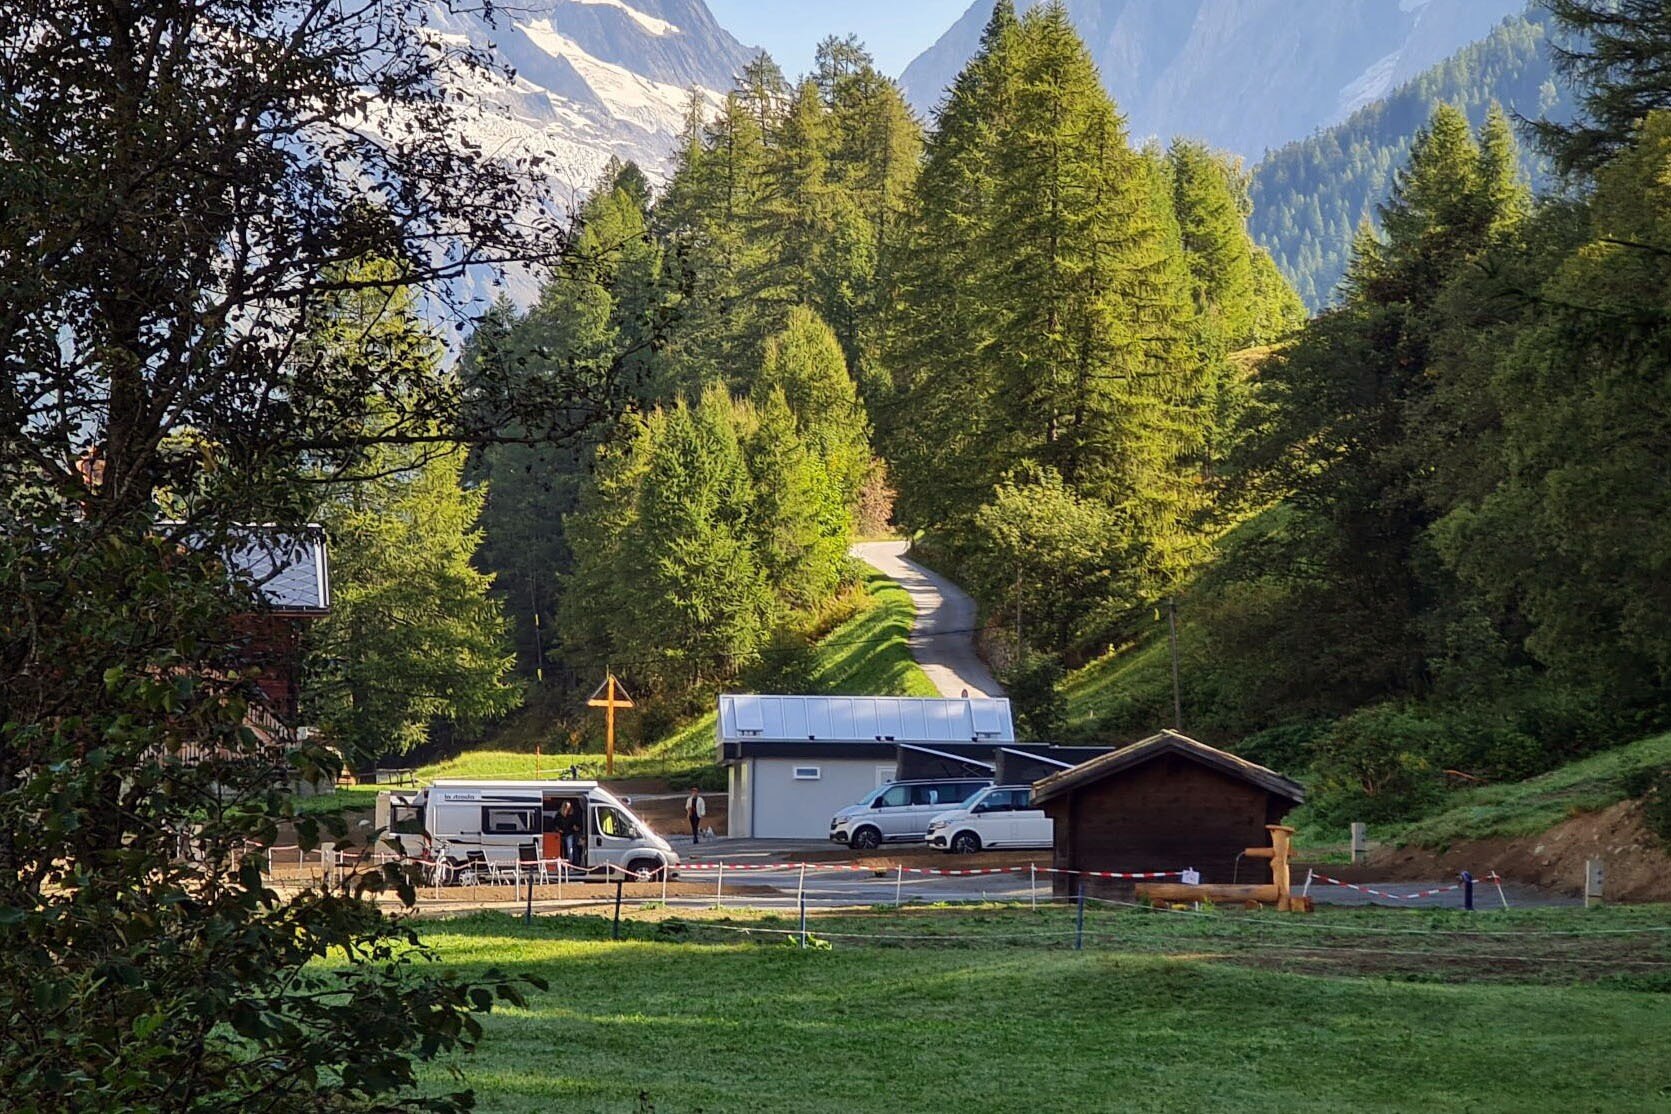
(942, 638)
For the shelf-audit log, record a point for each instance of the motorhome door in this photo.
(557, 821)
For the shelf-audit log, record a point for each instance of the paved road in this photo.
(942, 638)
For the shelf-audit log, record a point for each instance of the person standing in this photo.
(568, 824)
(695, 809)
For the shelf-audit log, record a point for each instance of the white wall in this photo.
(784, 807)
(739, 802)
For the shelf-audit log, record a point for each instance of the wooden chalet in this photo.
(1166, 802)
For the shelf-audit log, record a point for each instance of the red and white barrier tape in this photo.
(1326, 880)
(883, 870)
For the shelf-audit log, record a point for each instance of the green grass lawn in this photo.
(720, 1023)
(865, 655)
(1531, 806)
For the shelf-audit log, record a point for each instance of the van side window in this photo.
(896, 796)
(963, 790)
(509, 820)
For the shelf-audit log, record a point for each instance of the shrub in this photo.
(1377, 765)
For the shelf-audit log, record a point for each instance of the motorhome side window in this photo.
(501, 820)
(406, 819)
(612, 823)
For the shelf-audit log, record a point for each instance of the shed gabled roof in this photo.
(1167, 742)
(745, 717)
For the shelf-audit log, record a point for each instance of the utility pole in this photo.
(1177, 694)
(609, 696)
(539, 635)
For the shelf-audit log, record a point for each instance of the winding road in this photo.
(943, 637)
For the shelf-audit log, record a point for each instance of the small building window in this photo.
(808, 773)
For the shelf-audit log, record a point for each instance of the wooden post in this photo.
(615, 933)
(1281, 841)
(1360, 842)
(609, 701)
(1079, 919)
(1594, 874)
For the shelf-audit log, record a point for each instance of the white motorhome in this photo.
(501, 822)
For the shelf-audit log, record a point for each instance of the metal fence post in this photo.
(1467, 891)
(801, 898)
(719, 887)
(1079, 919)
(620, 879)
(1033, 883)
(899, 885)
(1594, 875)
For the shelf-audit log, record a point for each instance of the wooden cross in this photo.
(613, 696)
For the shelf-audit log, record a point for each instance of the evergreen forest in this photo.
(1409, 542)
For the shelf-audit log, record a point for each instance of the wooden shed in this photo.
(1164, 803)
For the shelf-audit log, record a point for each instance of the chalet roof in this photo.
(1167, 742)
(287, 570)
(745, 717)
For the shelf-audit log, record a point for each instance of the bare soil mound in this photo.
(1637, 866)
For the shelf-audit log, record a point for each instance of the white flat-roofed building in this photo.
(794, 760)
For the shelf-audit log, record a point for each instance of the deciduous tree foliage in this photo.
(187, 187)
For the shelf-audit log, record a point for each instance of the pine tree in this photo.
(413, 636)
(935, 434)
(1216, 243)
(801, 524)
(1614, 54)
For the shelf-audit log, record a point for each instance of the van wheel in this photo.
(650, 868)
(965, 843)
(865, 839)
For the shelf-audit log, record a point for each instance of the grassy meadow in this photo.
(993, 1011)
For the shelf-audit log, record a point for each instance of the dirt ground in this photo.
(1637, 866)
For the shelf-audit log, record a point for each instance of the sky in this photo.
(896, 31)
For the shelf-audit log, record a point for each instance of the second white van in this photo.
(999, 816)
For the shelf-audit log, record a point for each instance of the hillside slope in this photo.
(1310, 196)
(868, 655)
(1244, 75)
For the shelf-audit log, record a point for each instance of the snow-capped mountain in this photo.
(1244, 75)
(593, 78)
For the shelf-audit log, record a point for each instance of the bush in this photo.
(1035, 688)
(1376, 765)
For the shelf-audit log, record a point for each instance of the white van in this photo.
(899, 811)
(500, 822)
(997, 816)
